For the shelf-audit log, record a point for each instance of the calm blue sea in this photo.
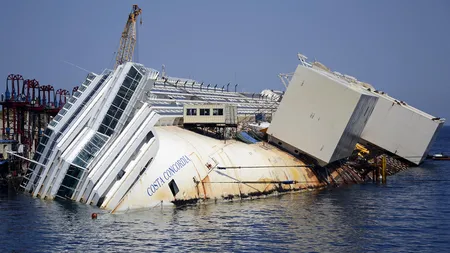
(409, 214)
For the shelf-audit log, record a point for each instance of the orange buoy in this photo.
(94, 216)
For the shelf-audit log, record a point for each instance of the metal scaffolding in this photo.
(27, 108)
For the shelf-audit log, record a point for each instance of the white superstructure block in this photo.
(401, 129)
(321, 115)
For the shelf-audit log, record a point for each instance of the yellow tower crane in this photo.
(128, 39)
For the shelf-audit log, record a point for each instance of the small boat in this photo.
(439, 156)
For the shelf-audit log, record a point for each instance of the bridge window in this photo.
(217, 112)
(204, 112)
(191, 112)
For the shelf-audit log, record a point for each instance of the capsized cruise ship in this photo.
(134, 138)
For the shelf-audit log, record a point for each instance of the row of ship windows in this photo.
(107, 130)
(90, 150)
(120, 102)
(48, 132)
(72, 100)
(205, 112)
(109, 122)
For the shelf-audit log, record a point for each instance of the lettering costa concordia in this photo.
(167, 174)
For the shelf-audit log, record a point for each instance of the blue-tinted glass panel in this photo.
(57, 118)
(44, 140)
(134, 85)
(40, 148)
(109, 132)
(123, 105)
(118, 114)
(37, 156)
(127, 82)
(90, 76)
(112, 111)
(132, 72)
(102, 129)
(99, 140)
(117, 101)
(128, 95)
(48, 132)
(107, 120)
(80, 162)
(138, 77)
(91, 148)
(113, 123)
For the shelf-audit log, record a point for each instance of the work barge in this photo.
(134, 138)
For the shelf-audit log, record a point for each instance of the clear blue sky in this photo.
(400, 46)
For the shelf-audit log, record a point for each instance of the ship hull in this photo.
(190, 168)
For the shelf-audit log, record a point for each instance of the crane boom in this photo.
(128, 39)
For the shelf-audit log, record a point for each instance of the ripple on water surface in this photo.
(410, 213)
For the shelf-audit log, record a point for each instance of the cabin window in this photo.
(44, 140)
(67, 106)
(48, 132)
(57, 118)
(40, 148)
(120, 174)
(191, 112)
(204, 112)
(217, 112)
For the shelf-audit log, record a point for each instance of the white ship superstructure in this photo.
(110, 122)
(133, 138)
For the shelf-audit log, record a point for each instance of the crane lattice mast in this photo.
(128, 39)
